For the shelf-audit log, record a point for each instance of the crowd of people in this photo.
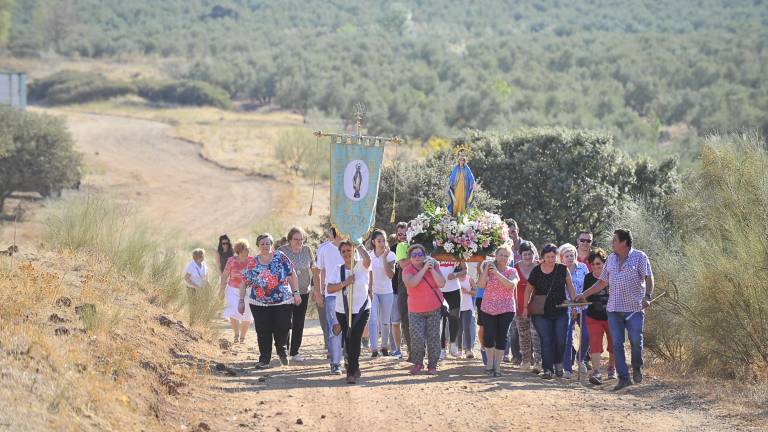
(386, 296)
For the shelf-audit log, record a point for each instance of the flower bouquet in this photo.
(470, 234)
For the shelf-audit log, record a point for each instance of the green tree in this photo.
(36, 154)
(555, 181)
(6, 9)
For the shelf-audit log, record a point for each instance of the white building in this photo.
(13, 89)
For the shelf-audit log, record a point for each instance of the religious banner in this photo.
(355, 171)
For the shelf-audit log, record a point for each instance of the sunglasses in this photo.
(585, 240)
(298, 239)
(225, 244)
(417, 254)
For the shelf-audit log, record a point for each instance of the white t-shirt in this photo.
(359, 288)
(450, 284)
(467, 302)
(328, 257)
(381, 283)
(198, 275)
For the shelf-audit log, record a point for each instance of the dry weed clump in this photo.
(711, 254)
(80, 350)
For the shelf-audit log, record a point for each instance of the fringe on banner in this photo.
(394, 192)
(314, 177)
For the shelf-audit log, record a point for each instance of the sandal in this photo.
(242, 339)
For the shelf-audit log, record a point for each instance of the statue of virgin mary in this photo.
(461, 185)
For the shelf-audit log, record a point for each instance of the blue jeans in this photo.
(334, 340)
(551, 330)
(468, 329)
(381, 313)
(395, 318)
(618, 323)
(569, 353)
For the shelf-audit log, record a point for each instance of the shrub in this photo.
(71, 87)
(711, 255)
(196, 93)
(300, 152)
(36, 154)
(556, 181)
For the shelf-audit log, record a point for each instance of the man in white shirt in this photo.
(329, 259)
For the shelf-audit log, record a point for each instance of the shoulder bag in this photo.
(536, 306)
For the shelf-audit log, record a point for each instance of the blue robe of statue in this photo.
(462, 183)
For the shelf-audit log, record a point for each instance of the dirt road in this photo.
(460, 398)
(168, 182)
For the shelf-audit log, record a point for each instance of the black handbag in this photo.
(443, 308)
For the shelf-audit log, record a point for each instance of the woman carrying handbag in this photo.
(546, 289)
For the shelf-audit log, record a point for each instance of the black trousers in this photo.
(496, 328)
(355, 338)
(453, 298)
(272, 323)
(297, 324)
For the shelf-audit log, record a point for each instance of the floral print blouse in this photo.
(267, 284)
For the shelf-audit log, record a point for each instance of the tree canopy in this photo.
(654, 74)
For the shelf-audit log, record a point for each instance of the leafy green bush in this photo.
(72, 87)
(712, 255)
(556, 181)
(36, 154)
(196, 93)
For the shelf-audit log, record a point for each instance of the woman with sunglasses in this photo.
(230, 286)
(551, 280)
(271, 295)
(352, 279)
(499, 282)
(303, 263)
(423, 280)
(223, 252)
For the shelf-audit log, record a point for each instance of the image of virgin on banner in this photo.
(355, 174)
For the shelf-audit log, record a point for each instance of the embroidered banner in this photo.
(355, 173)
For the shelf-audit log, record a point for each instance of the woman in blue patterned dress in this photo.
(271, 290)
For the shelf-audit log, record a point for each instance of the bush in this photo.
(299, 151)
(71, 87)
(131, 247)
(36, 154)
(195, 93)
(556, 181)
(711, 256)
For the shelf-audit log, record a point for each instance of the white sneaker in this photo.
(442, 354)
(298, 358)
(454, 350)
(567, 375)
(583, 367)
(525, 366)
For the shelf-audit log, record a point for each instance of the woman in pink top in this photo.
(232, 279)
(423, 280)
(498, 307)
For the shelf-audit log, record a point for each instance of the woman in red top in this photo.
(232, 279)
(530, 346)
(423, 280)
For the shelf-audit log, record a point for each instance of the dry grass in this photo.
(82, 364)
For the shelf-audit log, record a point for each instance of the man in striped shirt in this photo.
(629, 279)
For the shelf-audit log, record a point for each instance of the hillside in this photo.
(655, 74)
